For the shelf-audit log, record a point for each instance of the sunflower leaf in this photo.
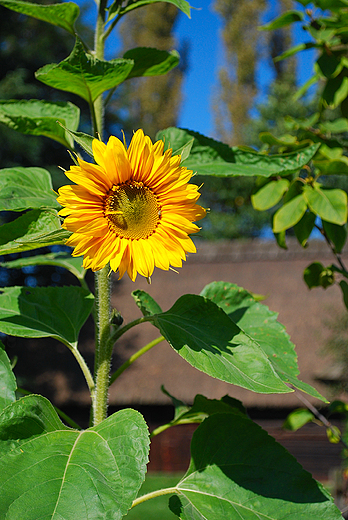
(151, 62)
(41, 312)
(210, 157)
(115, 8)
(63, 15)
(34, 229)
(261, 324)
(84, 140)
(36, 117)
(8, 384)
(240, 471)
(61, 259)
(49, 467)
(206, 337)
(85, 75)
(23, 188)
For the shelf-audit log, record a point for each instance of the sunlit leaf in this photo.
(289, 214)
(63, 15)
(329, 204)
(270, 194)
(36, 117)
(51, 471)
(84, 75)
(261, 324)
(210, 157)
(205, 336)
(298, 418)
(115, 7)
(24, 188)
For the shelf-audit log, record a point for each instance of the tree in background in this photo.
(229, 199)
(237, 87)
(151, 103)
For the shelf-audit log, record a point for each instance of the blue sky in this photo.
(206, 56)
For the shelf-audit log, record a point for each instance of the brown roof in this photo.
(258, 266)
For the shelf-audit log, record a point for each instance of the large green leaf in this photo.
(8, 383)
(24, 188)
(63, 14)
(53, 472)
(270, 194)
(210, 157)
(37, 117)
(61, 259)
(151, 62)
(329, 204)
(115, 7)
(289, 214)
(34, 229)
(41, 312)
(205, 336)
(84, 75)
(261, 324)
(239, 472)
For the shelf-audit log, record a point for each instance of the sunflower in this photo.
(134, 208)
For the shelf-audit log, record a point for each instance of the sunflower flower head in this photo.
(134, 208)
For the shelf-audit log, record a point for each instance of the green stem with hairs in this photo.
(118, 333)
(154, 494)
(103, 350)
(134, 357)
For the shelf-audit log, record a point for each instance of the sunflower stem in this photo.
(103, 350)
(99, 46)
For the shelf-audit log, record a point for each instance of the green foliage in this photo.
(36, 117)
(31, 230)
(72, 264)
(146, 303)
(116, 8)
(8, 382)
(85, 468)
(24, 188)
(222, 351)
(229, 454)
(298, 418)
(261, 324)
(316, 275)
(41, 312)
(84, 75)
(210, 157)
(63, 15)
(49, 470)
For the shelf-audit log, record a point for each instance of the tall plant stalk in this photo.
(103, 350)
